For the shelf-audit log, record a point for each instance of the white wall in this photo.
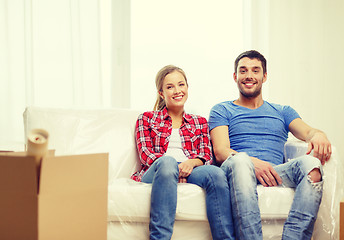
(201, 37)
(306, 58)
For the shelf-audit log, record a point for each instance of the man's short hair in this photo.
(252, 54)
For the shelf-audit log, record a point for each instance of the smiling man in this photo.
(248, 136)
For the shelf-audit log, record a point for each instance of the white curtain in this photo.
(53, 54)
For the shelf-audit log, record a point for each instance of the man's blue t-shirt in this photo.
(260, 132)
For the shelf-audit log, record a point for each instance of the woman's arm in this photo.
(144, 141)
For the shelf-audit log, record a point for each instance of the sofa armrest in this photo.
(294, 149)
(333, 192)
(327, 224)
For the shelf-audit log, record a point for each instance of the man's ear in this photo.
(235, 77)
(265, 77)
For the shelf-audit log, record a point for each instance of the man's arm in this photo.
(316, 139)
(221, 144)
(265, 173)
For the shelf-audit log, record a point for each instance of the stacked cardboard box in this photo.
(68, 201)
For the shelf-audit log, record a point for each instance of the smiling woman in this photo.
(170, 80)
(174, 147)
(174, 90)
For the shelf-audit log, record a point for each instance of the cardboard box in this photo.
(341, 220)
(69, 202)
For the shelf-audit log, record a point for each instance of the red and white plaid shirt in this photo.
(153, 131)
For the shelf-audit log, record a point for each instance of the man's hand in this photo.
(316, 139)
(265, 173)
(321, 147)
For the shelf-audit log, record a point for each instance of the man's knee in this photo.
(239, 161)
(315, 175)
(240, 167)
(312, 165)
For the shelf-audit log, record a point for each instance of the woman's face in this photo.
(174, 90)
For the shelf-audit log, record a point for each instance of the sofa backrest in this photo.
(77, 131)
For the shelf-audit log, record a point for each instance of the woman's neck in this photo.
(176, 116)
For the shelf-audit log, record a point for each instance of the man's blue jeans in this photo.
(242, 181)
(163, 174)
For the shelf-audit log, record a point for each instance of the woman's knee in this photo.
(208, 176)
(167, 165)
(215, 173)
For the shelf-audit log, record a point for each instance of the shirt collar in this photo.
(186, 117)
(165, 113)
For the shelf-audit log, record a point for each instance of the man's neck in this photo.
(252, 103)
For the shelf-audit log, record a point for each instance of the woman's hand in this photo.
(185, 168)
(182, 180)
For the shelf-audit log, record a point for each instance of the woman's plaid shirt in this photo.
(153, 131)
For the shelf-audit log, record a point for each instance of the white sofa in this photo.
(74, 131)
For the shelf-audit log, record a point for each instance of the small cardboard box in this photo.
(68, 202)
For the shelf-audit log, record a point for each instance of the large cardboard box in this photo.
(69, 201)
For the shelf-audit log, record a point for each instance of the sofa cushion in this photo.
(130, 201)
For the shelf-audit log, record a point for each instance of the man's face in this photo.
(250, 77)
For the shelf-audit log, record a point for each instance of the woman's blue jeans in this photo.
(242, 182)
(163, 174)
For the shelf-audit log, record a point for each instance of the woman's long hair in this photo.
(159, 81)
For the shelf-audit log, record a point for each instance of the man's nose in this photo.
(249, 74)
